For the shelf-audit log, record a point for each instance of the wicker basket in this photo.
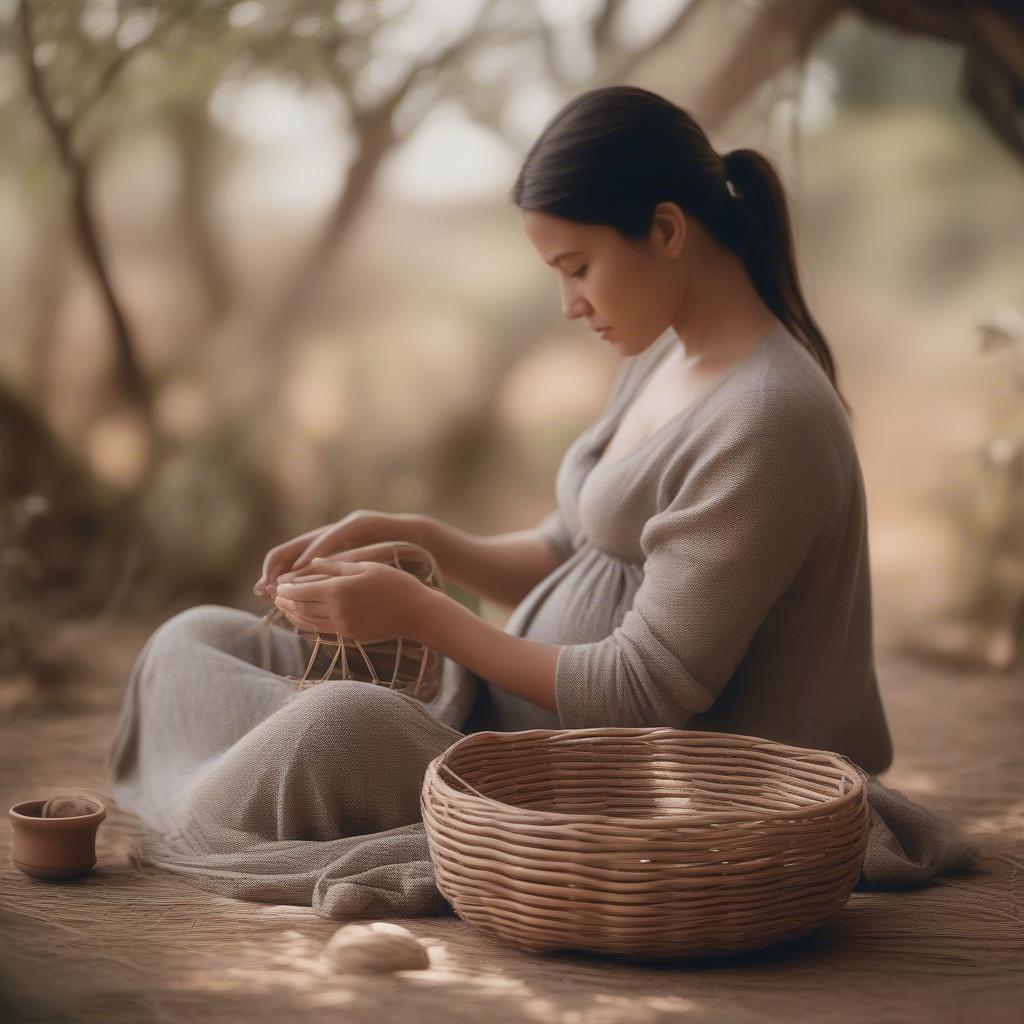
(651, 843)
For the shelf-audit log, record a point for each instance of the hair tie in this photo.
(736, 227)
(729, 165)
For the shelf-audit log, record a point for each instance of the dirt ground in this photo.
(126, 943)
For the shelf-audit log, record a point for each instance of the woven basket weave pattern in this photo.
(654, 843)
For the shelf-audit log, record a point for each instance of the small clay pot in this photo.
(54, 847)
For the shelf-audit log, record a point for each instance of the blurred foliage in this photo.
(203, 515)
(986, 502)
(57, 529)
(22, 630)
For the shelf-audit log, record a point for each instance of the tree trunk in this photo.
(129, 373)
(195, 138)
(130, 378)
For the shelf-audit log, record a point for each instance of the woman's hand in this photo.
(281, 559)
(357, 529)
(365, 601)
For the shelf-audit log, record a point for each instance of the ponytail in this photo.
(763, 238)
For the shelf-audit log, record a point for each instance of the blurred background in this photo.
(260, 268)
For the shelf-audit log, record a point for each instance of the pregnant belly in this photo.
(583, 600)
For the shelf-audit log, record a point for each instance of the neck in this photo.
(725, 316)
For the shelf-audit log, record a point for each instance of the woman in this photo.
(706, 567)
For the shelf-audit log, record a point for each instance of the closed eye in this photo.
(581, 272)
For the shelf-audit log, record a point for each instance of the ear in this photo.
(668, 228)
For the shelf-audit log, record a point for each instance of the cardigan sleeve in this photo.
(744, 516)
(554, 529)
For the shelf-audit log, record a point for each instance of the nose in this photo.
(573, 305)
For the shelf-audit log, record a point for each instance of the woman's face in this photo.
(632, 288)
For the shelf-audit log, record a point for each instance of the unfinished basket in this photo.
(398, 663)
(648, 843)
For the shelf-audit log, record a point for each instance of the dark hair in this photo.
(610, 155)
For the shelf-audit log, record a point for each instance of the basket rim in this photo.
(856, 775)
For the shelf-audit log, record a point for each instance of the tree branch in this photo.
(121, 61)
(776, 36)
(375, 138)
(622, 65)
(992, 37)
(59, 129)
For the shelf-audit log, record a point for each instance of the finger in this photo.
(340, 567)
(310, 609)
(363, 553)
(302, 591)
(315, 591)
(318, 546)
(297, 614)
(271, 571)
(307, 555)
(313, 625)
(271, 565)
(301, 577)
